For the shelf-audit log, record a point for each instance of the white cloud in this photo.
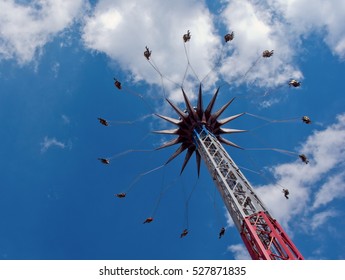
(323, 17)
(308, 191)
(268, 103)
(55, 69)
(229, 220)
(240, 252)
(65, 119)
(25, 29)
(334, 188)
(256, 29)
(123, 29)
(279, 25)
(50, 142)
(320, 218)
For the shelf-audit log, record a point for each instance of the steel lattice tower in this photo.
(199, 131)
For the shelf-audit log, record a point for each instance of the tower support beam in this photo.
(263, 236)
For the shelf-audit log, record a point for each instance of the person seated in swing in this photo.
(286, 193)
(120, 195)
(229, 37)
(306, 119)
(147, 53)
(148, 220)
(186, 37)
(184, 233)
(267, 53)
(104, 160)
(103, 121)
(221, 233)
(294, 83)
(117, 84)
(304, 158)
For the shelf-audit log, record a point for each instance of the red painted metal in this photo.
(266, 240)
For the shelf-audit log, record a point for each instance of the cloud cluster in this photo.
(109, 30)
(319, 18)
(257, 28)
(123, 29)
(239, 251)
(26, 29)
(282, 26)
(309, 191)
(51, 142)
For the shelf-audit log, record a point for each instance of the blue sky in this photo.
(57, 64)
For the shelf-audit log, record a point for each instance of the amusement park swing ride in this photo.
(198, 130)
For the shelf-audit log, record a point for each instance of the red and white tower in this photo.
(199, 131)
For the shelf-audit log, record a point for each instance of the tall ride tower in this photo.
(199, 131)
